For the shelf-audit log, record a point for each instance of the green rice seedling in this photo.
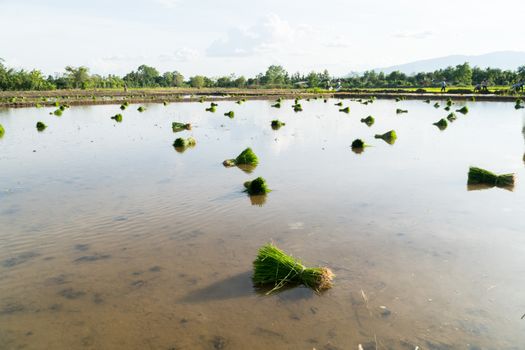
(243, 100)
(451, 117)
(247, 157)
(345, 110)
(117, 118)
(176, 126)
(473, 99)
(57, 112)
(256, 187)
(436, 105)
(277, 105)
(122, 107)
(358, 144)
(463, 110)
(184, 143)
(308, 100)
(519, 104)
(447, 108)
(279, 100)
(441, 124)
(165, 103)
(41, 126)
(213, 104)
(449, 102)
(38, 105)
(274, 268)
(297, 107)
(230, 114)
(276, 124)
(339, 104)
(368, 120)
(201, 100)
(238, 102)
(211, 109)
(401, 111)
(478, 176)
(427, 101)
(2, 130)
(389, 137)
(141, 109)
(57, 104)
(398, 99)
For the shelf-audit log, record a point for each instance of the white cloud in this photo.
(414, 35)
(184, 54)
(270, 34)
(168, 3)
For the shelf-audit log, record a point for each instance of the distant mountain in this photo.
(502, 59)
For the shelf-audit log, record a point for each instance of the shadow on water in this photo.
(241, 285)
(482, 187)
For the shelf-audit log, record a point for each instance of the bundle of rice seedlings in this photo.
(239, 102)
(398, 99)
(165, 103)
(358, 144)
(201, 100)
(339, 104)
(211, 109)
(519, 104)
(184, 143)
(399, 111)
(297, 107)
(141, 109)
(473, 98)
(176, 126)
(257, 186)
(122, 107)
(463, 110)
(447, 108)
(247, 157)
(230, 114)
(427, 101)
(478, 176)
(345, 110)
(368, 120)
(325, 100)
(451, 117)
(436, 105)
(279, 100)
(273, 267)
(38, 105)
(213, 104)
(277, 105)
(41, 126)
(2, 130)
(441, 124)
(117, 118)
(449, 102)
(276, 124)
(389, 137)
(57, 112)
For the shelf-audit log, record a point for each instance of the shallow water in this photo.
(111, 239)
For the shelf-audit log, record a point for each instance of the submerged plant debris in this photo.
(117, 118)
(441, 124)
(276, 269)
(276, 124)
(176, 126)
(41, 126)
(463, 110)
(478, 176)
(247, 157)
(256, 186)
(389, 137)
(368, 120)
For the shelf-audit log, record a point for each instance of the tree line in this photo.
(274, 77)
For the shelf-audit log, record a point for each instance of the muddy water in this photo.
(111, 239)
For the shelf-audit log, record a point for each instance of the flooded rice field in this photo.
(112, 239)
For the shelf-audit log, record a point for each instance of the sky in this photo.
(218, 38)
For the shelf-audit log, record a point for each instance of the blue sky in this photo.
(244, 37)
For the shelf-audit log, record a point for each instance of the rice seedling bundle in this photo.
(400, 111)
(449, 102)
(246, 157)
(345, 110)
(165, 103)
(184, 143)
(277, 105)
(484, 177)
(427, 101)
(57, 112)
(230, 114)
(41, 126)
(389, 136)
(463, 110)
(339, 104)
(257, 186)
(2, 130)
(447, 108)
(451, 117)
(519, 104)
(441, 124)
(368, 120)
(358, 143)
(117, 118)
(213, 104)
(176, 126)
(297, 107)
(211, 109)
(273, 267)
(436, 105)
(141, 109)
(276, 124)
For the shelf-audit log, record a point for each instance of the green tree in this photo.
(463, 74)
(275, 75)
(197, 81)
(77, 77)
